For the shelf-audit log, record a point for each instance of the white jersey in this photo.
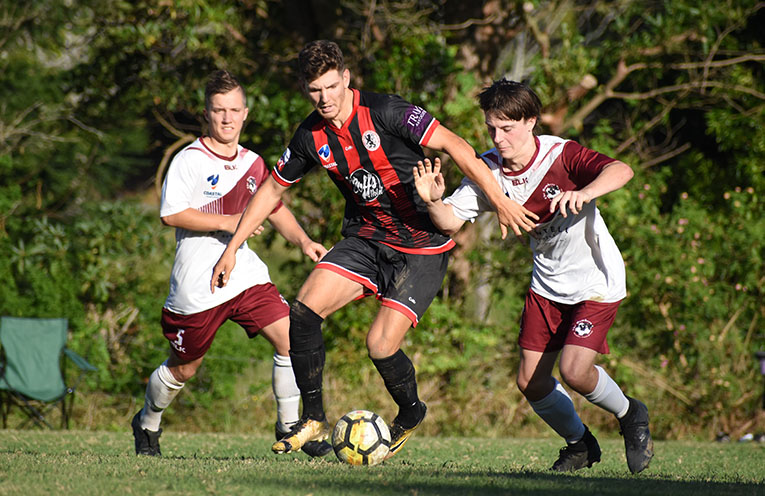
(575, 258)
(201, 179)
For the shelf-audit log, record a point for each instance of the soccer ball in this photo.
(361, 438)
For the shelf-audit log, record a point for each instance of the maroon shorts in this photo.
(547, 325)
(253, 309)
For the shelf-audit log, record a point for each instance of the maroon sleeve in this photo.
(582, 164)
(260, 172)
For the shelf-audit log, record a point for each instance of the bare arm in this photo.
(287, 225)
(509, 212)
(258, 209)
(612, 177)
(431, 186)
(194, 220)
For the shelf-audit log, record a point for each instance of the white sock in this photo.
(608, 396)
(558, 411)
(160, 392)
(286, 393)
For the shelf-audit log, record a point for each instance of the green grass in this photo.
(103, 463)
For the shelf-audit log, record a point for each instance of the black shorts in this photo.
(403, 281)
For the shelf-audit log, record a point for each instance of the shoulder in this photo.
(492, 158)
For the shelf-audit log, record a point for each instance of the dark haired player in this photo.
(367, 143)
(578, 279)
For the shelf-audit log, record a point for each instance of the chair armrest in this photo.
(79, 361)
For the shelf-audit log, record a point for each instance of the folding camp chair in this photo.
(33, 375)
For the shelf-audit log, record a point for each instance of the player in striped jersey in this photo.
(578, 277)
(367, 143)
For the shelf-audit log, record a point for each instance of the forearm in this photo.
(612, 177)
(287, 225)
(470, 164)
(194, 220)
(258, 209)
(442, 215)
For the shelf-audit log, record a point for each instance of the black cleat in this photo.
(637, 437)
(581, 454)
(313, 449)
(399, 435)
(146, 441)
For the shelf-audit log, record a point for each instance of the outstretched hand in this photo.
(429, 181)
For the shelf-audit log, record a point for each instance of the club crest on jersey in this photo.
(252, 185)
(371, 140)
(283, 159)
(582, 328)
(324, 152)
(213, 180)
(367, 185)
(550, 191)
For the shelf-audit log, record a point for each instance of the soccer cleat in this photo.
(399, 435)
(581, 454)
(305, 431)
(146, 441)
(311, 448)
(637, 438)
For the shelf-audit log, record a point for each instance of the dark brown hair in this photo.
(219, 82)
(319, 57)
(510, 100)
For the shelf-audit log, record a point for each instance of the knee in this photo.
(305, 328)
(379, 347)
(577, 377)
(183, 373)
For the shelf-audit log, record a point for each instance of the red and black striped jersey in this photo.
(370, 159)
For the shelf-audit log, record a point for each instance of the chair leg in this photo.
(4, 408)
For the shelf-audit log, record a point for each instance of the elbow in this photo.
(167, 221)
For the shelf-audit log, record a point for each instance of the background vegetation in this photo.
(96, 96)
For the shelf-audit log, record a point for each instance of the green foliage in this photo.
(93, 96)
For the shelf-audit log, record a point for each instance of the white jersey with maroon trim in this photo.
(575, 258)
(201, 179)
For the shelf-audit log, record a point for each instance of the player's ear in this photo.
(346, 77)
(206, 116)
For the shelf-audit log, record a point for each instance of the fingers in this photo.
(503, 230)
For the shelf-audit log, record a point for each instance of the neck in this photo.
(223, 149)
(522, 159)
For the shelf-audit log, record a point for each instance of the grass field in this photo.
(103, 463)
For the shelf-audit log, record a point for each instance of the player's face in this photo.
(226, 114)
(514, 140)
(329, 96)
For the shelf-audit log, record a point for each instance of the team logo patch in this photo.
(283, 159)
(324, 152)
(582, 328)
(252, 185)
(367, 185)
(371, 140)
(550, 191)
(213, 180)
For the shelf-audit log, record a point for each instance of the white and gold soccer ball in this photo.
(361, 437)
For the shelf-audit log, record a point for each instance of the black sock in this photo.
(307, 355)
(397, 373)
